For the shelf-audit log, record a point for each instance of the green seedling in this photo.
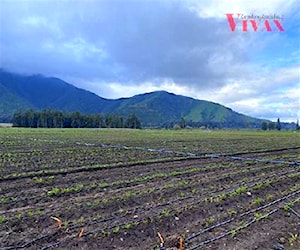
(231, 213)
(116, 230)
(293, 238)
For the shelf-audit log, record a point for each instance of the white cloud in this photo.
(218, 9)
(115, 89)
(35, 21)
(266, 95)
(78, 49)
(125, 47)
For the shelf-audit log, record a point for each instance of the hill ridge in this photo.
(155, 109)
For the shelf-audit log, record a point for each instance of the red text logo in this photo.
(255, 23)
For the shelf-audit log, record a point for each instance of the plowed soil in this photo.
(118, 194)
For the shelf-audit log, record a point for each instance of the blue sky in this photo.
(119, 48)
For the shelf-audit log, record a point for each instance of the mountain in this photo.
(10, 103)
(155, 109)
(161, 108)
(42, 92)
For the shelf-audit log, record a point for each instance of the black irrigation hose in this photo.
(294, 212)
(136, 221)
(229, 156)
(162, 150)
(250, 184)
(159, 150)
(166, 160)
(96, 167)
(28, 244)
(121, 224)
(230, 232)
(141, 220)
(144, 163)
(51, 246)
(264, 151)
(189, 154)
(234, 218)
(170, 202)
(241, 215)
(253, 183)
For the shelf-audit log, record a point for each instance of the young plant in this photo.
(128, 225)
(258, 216)
(233, 233)
(209, 221)
(54, 191)
(231, 212)
(257, 201)
(116, 230)
(258, 186)
(2, 219)
(292, 239)
(166, 212)
(240, 190)
(269, 197)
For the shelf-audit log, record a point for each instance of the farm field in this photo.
(117, 188)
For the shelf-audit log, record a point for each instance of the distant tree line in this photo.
(182, 123)
(271, 125)
(57, 119)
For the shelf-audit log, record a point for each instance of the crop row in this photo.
(254, 214)
(198, 142)
(162, 210)
(117, 188)
(189, 176)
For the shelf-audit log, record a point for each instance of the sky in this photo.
(120, 48)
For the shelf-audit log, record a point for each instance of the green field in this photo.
(116, 188)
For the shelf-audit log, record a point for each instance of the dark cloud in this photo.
(123, 41)
(124, 47)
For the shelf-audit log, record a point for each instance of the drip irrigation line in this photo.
(239, 158)
(120, 224)
(50, 246)
(252, 182)
(41, 197)
(159, 150)
(230, 231)
(95, 167)
(187, 154)
(294, 212)
(170, 202)
(246, 225)
(229, 156)
(195, 235)
(28, 244)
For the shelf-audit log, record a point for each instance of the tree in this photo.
(76, 121)
(278, 125)
(56, 119)
(132, 122)
(264, 126)
(182, 123)
(297, 126)
(98, 121)
(17, 119)
(31, 121)
(271, 126)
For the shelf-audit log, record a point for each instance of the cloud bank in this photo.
(119, 48)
